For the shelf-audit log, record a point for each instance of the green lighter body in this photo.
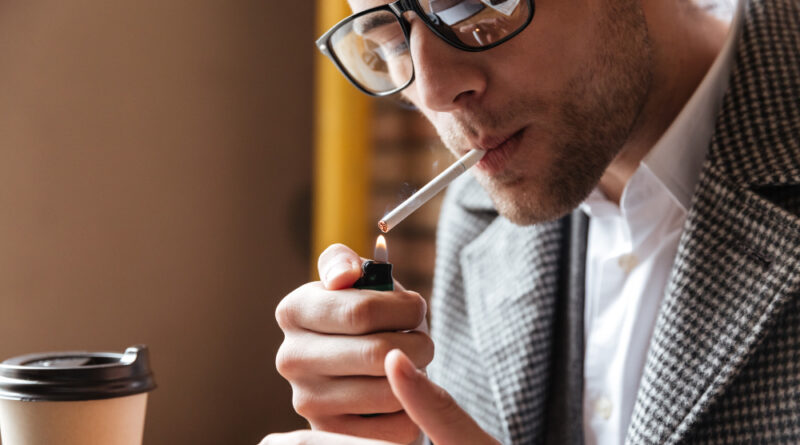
(375, 275)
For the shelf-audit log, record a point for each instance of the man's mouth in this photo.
(498, 152)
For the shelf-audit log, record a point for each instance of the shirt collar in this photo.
(677, 158)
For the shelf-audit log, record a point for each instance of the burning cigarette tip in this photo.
(383, 226)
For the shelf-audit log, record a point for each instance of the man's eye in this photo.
(397, 49)
(390, 48)
(390, 43)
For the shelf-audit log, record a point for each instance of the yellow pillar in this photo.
(341, 144)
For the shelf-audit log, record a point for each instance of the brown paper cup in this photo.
(72, 398)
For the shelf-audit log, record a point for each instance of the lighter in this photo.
(377, 274)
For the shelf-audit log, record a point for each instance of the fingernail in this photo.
(335, 271)
(406, 367)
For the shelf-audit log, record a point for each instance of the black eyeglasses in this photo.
(371, 47)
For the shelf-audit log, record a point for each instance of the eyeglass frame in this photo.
(398, 8)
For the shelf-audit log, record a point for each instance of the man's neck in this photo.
(685, 42)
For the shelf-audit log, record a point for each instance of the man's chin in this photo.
(528, 216)
(524, 204)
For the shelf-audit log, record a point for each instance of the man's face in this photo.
(553, 106)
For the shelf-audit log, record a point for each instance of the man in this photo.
(674, 317)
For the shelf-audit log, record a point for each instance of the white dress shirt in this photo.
(631, 250)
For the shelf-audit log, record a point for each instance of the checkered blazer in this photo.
(724, 360)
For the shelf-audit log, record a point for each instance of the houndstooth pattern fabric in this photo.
(722, 336)
(724, 360)
(456, 362)
(496, 283)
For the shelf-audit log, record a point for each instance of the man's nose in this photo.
(445, 77)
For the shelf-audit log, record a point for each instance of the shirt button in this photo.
(603, 407)
(628, 262)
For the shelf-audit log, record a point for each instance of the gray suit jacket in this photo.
(724, 360)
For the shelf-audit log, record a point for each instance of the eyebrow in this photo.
(372, 21)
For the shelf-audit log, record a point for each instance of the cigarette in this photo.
(430, 190)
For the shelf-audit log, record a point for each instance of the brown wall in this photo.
(153, 189)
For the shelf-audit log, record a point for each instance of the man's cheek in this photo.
(452, 138)
(444, 124)
(410, 95)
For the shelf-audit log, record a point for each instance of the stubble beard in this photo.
(587, 125)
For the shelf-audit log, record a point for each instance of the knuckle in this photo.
(282, 315)
(286, 311)
(359, 313)
(416, 305)
(287, 361)
(428, 349)
(420, 305)
(374, 352)
(305, 403)
(419, 347)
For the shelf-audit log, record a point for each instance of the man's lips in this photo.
(498, 151)
(489, 143)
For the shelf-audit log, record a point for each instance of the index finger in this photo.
(350, 311)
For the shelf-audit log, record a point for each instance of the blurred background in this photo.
(169, 171)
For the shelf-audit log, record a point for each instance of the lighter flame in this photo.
(381, 251)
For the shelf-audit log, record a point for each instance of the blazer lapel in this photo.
(738, 261)
(565, 400)
(511, 276)
(737, 266)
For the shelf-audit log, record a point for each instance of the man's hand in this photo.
(336, 340)
(428, 405)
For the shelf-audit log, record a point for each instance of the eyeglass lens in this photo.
(373, 50)
(372, 47)
(478, 23)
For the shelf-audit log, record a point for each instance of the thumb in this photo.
(339, 267)
(430, 406)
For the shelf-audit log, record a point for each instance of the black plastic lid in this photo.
(375, 275)
(76, 375)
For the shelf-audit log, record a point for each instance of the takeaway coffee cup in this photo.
(71, 398)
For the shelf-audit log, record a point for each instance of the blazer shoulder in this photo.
(467, 210)
(465, 192)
